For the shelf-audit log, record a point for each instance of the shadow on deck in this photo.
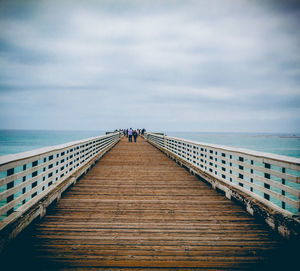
(138, 209)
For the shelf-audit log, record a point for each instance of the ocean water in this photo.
(283, 144)
(15, 141)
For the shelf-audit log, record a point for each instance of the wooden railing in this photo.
(274, 180)
(26, 178)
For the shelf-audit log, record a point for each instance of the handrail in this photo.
(27, 177)
(272, 179)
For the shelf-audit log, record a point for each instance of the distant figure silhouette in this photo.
(130, 132)
(135, 134)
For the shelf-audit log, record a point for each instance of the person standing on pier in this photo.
(130, 132)
(135, 135)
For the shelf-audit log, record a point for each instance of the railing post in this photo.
(267, 176)
(251, 179)
(34, 174)
(282, 191)
(24, 189)
(9, 186)
(241, 176)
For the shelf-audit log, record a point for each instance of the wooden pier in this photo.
(136, 209)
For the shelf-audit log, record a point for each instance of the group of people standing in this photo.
(133, 133)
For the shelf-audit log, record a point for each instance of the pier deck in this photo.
(138, 208)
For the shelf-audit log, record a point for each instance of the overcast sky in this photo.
(230, 65)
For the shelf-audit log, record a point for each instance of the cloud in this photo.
(130, 63)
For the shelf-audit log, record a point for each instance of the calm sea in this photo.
(15, 141)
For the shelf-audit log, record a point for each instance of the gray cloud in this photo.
(166, 65)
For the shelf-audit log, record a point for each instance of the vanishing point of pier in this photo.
(136, 208)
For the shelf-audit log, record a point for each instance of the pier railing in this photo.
(26, 178)
(271, 179)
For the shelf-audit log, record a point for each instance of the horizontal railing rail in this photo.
(27, 177)
(272, 179)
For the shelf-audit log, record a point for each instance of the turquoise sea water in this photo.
(15, 141)
(283, 144)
